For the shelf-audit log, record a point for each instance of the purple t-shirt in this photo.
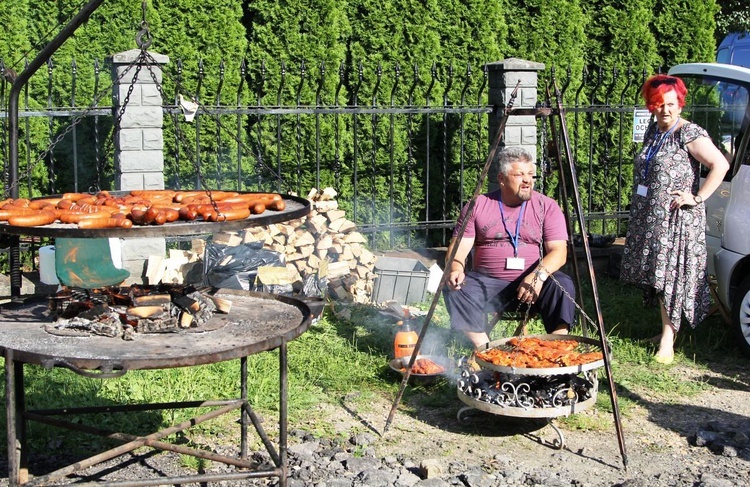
(492, 244)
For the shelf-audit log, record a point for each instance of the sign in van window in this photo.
(641, 118)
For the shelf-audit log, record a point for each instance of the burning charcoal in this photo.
(94, 313)
(187, 303)
(157, 326)
(206, 308)
(74, 309)
(108, 327)
(128, 333)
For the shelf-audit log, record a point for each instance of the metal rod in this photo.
(566, 205)
(283, 392)
(156, 444)
(10, 414)
(451, 255)
(132, 445)
(243, 416)
(202, 479)
(15, 92)
(581, 222)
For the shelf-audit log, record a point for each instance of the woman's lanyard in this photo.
(513, 238)
(654, 148)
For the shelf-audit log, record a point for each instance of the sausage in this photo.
(181, 195)
(37, 219)
(74, 196)
(154, 193)
(42, 202)
(187, 213)
(72, 216)
(257, 208)
(105, 223)
(170, 214)
(230, 214)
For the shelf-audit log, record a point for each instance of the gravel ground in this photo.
(699, 441)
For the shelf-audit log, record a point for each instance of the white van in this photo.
(735, 49)
(718, 100)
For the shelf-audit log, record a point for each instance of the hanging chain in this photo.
(527, 312)
(76, 120)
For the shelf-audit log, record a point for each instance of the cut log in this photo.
(326, 206)
(144, 311)
(355, 237)
(222, 304)
(317, 224)
(333, 216)
(186, 319)
(327, 194)
(338, 269)
(303, 239)
(227, 238)
(152, 300)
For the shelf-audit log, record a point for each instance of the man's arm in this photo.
(458, 266)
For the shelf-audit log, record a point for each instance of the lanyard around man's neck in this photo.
(513, 238)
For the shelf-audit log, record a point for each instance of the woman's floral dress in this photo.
(665, 250)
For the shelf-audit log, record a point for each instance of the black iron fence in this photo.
(403, 148)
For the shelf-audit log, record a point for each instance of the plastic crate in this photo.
(401, 280)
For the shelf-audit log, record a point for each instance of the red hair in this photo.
(656, 86)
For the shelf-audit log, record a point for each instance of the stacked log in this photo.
(324, 244)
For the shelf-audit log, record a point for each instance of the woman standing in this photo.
(665, 247)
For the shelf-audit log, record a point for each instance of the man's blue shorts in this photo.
(480, 294)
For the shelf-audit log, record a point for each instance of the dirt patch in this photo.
(659, 436)
(659, 439)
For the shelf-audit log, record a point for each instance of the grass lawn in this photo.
(348, 351)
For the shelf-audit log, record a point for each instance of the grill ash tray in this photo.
(256, 322)
(586, 345)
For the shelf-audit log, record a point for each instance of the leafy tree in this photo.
(733, 16)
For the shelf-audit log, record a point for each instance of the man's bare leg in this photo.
(477, 339)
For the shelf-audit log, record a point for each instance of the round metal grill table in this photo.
(257, 322)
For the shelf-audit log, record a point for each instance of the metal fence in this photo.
(402, 149)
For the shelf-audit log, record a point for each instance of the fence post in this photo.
(520, 130)
(139, 142)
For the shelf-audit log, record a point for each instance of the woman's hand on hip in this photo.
(681, 198)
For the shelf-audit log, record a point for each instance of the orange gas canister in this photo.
(405, 341)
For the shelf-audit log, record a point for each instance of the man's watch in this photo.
(541, 275)
(698, 199)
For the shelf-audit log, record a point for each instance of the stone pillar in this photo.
(520, 130)
(139, 144)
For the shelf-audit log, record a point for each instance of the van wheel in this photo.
(741, 316)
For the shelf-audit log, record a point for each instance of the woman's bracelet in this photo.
(459, 263)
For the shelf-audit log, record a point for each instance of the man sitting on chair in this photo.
(519, 238)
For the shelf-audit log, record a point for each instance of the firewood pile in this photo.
(324, 244)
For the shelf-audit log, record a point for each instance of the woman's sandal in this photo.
(664, 360)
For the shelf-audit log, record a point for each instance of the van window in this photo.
(735, 49)
(718, 106)
(741, 56)
(724, 55)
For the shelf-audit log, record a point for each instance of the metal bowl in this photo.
(399, 365)
(592, 343)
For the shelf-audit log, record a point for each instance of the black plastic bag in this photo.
(235, 267)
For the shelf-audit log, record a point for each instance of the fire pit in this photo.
(256, 322)
(125, 312)
(498, 379)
